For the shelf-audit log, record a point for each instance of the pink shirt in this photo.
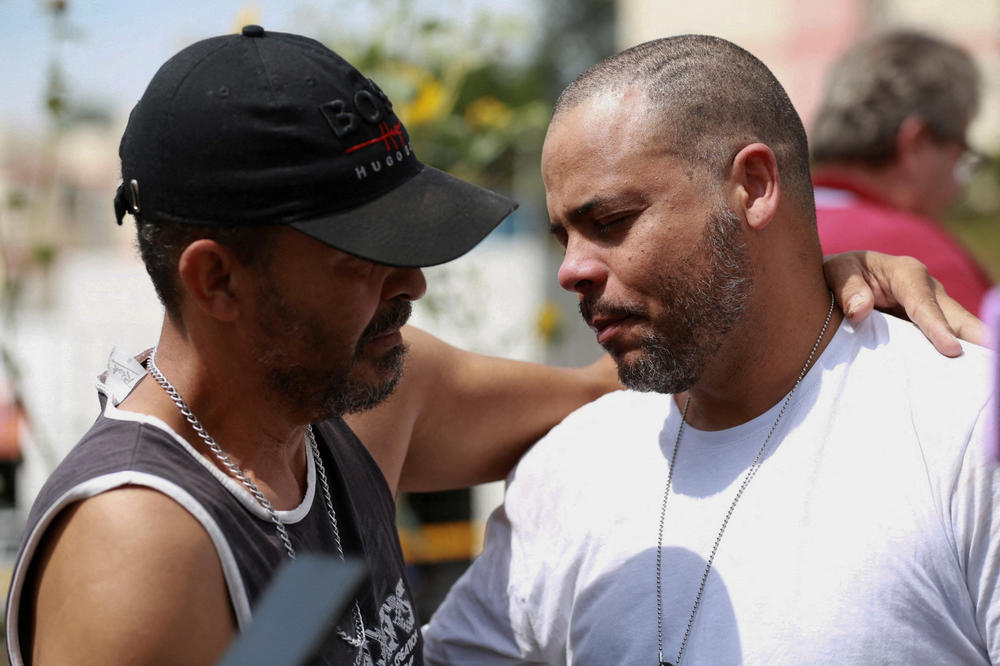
(850, 219)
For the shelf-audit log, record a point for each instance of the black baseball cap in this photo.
(274, 128)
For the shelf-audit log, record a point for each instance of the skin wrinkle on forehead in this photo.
(660, 124)
(631, 139)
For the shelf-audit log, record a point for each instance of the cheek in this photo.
(340, 316)
(643, 265)
(635, 277)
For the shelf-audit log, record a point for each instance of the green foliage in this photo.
(468, 110)
(476, 97)
(44, 254)
(976, 218)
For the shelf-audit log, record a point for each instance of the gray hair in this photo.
(712, 98)
(883, 80)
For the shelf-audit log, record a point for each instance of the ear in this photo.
(911, 137)
(211, 278)
(757, 187)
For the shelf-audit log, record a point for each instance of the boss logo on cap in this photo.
(343, 116)
(372, 107)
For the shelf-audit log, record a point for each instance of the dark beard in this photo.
(358, 397)
(700, 311)
(325, 391)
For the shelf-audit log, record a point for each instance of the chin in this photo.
(658, 373)
(377, 381)
(363, 397)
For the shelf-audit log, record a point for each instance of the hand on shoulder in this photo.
(901, 286)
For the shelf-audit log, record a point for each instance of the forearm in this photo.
(483, 412)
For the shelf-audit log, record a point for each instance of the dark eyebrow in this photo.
(580, 211)
(588, 207)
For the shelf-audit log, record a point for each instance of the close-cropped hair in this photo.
(711, 98)
(161, 244)
(882, 81)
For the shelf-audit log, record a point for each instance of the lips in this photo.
(385, 341)
(382, 333)
(607, 328)
(388, 322)
(609, 319)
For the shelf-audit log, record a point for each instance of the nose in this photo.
(581, 271)
(408, 283)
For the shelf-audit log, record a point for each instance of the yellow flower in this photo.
(488, 112)
(429, 105)
(246, 15)
(548, 322)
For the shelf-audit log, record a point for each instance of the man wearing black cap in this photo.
(283, 217)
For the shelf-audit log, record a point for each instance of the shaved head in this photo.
(709, 98)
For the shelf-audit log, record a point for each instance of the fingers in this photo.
(965, 324)
(845, 276)
(931, 321)
(922, 298)
(901, 286)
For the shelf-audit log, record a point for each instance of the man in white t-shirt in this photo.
(780, 486)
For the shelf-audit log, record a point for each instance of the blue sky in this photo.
(118, 45)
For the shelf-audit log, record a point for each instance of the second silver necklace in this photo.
(725, 521)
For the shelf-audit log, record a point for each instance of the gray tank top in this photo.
(123, 449)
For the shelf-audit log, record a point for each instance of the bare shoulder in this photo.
(128, 577)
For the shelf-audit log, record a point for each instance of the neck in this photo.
(267, 445)
(888, 185)
(761, 359)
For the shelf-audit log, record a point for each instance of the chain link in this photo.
(358, 640)
(729, 514)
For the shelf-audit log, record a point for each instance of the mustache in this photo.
(393, 317)
(591, 307)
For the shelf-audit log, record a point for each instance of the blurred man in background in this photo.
(890, 152)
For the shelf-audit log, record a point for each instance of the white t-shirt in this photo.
(870, 534)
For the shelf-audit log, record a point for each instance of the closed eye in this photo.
(606, 226)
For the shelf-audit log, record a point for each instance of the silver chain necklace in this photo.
(358, 640)
(725, 521)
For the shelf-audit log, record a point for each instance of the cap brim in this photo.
(428, 220)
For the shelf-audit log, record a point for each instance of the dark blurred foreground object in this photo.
(297, 611)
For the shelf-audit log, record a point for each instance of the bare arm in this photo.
(128, 577)
(459, 418)
(901, 286)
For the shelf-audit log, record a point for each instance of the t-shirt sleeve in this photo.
(479, 620)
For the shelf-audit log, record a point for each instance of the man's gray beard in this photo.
(675, 354)
(356, 397)
(327, 391)
(335, 395)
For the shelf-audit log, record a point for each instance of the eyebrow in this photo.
(588, 207)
